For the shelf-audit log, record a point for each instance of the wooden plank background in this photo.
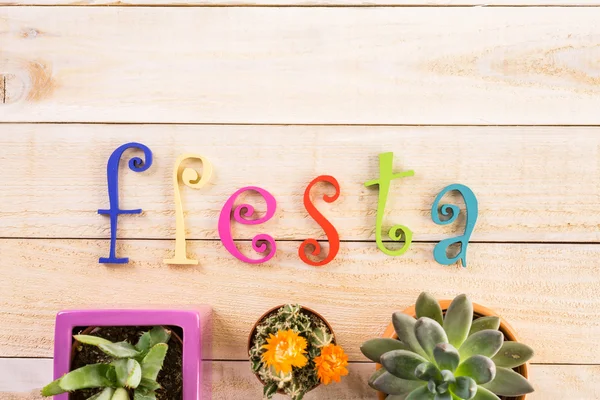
(504, 99)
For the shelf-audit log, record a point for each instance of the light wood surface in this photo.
(55, 179)
(332, 65)
(232, 380)
(547, 292)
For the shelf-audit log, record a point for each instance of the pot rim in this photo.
(271, 311)
(479, 311)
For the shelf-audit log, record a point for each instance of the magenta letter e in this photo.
(240, 214)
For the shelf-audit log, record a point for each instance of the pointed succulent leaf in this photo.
(120, 394)
(431, 386)
(443, 387)
(153, 362)
(402, 363)
(464, 387)
(429, 334)
(106, 394)
(508, 383)
(484, 394)
(480, 368)
(86, 377)
(269, 390)
(91, 340)
(420, 394)
(119, 350)
(512, 354)
(159, 334)
(391, 384)
(376, 375)
(404, 325)
(149, 385)
(458, 319)
(446, 356)
(428, 306)
(143, 343)
(443, 396)
(53, 388)
(483, 323)
(128, 371)
(139, 395)
(320, 337)
(427, 371)
(485, 343)
(373, 349)
(448, 376)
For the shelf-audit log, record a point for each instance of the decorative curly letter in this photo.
(440, 251)
(332, 235)
(136, 164)
(261, 242)
(190, 178)
(396, 232)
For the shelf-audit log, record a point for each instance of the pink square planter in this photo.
(195, 324)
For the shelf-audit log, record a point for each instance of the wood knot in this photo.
(28, 80)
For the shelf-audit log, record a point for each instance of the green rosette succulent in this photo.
(447, 357)
(134, 368)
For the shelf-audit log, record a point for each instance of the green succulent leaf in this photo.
(320, 337)
(53, 388)
(448, 376)
(402, 363)
(106, 394)
(428, 306)
(484, 394)
(457, 322)
(148, 385)
(464, 387)
(508, 383)
(446, 357)
(483, 323)
(270, 390)
(143, 344)
(91, 340)
(429, 334)
(138, 395)
(128, 371)
(86, 377)
(391, 384)
(119, 350)
(443, 396)
(153, 362)
(512, 354)
(420, 394)
(376, 375)
(485, 343)
(480, 368)
(373, 349)
(120, 394)
(428, 371)
(404, 325)
(159, 334)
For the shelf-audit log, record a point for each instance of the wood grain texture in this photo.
(537, 288)
(430, 65)
(233, 380)
(533, 184)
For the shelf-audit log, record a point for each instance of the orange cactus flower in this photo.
(285, 350)
(331, 364)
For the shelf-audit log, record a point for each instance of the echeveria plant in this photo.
(133, 368)
(447, 357)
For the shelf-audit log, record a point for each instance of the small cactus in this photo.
(439, 357)
(308, 343)
(132, 368)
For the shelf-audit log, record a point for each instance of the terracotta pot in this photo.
(478, 312)
(273, 310)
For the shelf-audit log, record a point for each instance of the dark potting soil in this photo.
(170, 376)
